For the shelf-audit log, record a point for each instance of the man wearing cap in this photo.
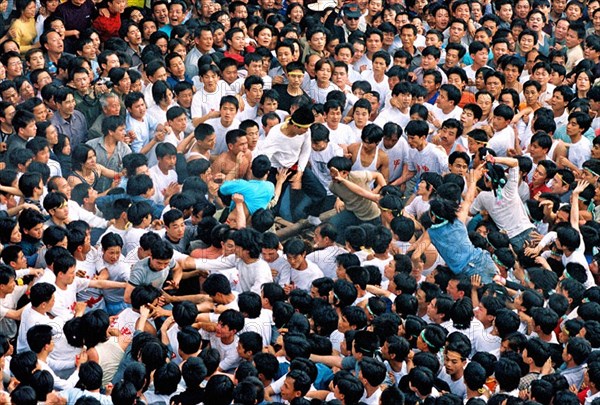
(351, 17)
(288, 146)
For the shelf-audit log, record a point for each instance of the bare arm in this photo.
(581, 185)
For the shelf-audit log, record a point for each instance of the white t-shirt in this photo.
(230, 358)
(204, 102)
(64, 306)
(318, 163)
(161, 182)
(430, 159)
(397, 156)
(221, 131)
(343, 135)
(325, 259)
(502, 141)
(302, 279)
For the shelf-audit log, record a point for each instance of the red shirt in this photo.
(107, 27)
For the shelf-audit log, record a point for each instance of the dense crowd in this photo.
(440, 157)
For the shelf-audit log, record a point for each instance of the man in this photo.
(176, 13)
(235, 163)
(56, 205)
(25, 129)
(203, 42)
(85, 97)
(76, 212)
(111, 148)
(131, 33)
(76, 15)
(355, 203)
(153, 269)
(227, 121)
(288, 146)
(67, 120)
(350, 15)
(163, 174)
(110, 104)
(446, 105)
(53, 44)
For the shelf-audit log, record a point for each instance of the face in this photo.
(457, 31)
(228, 112)
(317, 42)
(55, 43)
(296, 261)
(583, 82)
(442, 17)
(494, 86)
(485, 102)
(573, 129)
(429, 84)
(36, 61)
(572, 40)
(287, 390)
(408, 37)
(138, 109)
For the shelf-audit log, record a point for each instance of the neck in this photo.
(534, 369)
(43, 356)
(559, 112)
(228, 341)
(162, 169)
(370, 389)
(79, 256)
(110, 141)
(58, 222)
(7, 129)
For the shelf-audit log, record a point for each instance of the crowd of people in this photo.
(443, 153)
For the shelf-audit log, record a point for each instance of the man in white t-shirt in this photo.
(423, 156)
(163, 174)
(446, 105)
(504, 134)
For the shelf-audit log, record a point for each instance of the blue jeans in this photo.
(344, 219)
(518, 241)
(114, 308)
(297, 202)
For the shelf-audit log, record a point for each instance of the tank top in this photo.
(110, 355)
(358, 163)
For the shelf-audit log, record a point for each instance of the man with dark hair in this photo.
(67, 119)
(111, 148)
(154, 269)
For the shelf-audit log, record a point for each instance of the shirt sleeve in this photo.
(137, 275)
(304, 152)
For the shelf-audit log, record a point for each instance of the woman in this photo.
(62, 150)
(366, 155)
(163, 97)
(321, 85)
(102, 348)
(85, 169)
(583, 83)
(23, 29)
(9, 232)
(295, 13)
(263, 35)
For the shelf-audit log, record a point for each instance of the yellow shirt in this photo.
(25, 34)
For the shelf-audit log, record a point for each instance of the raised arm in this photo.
(581, 185)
